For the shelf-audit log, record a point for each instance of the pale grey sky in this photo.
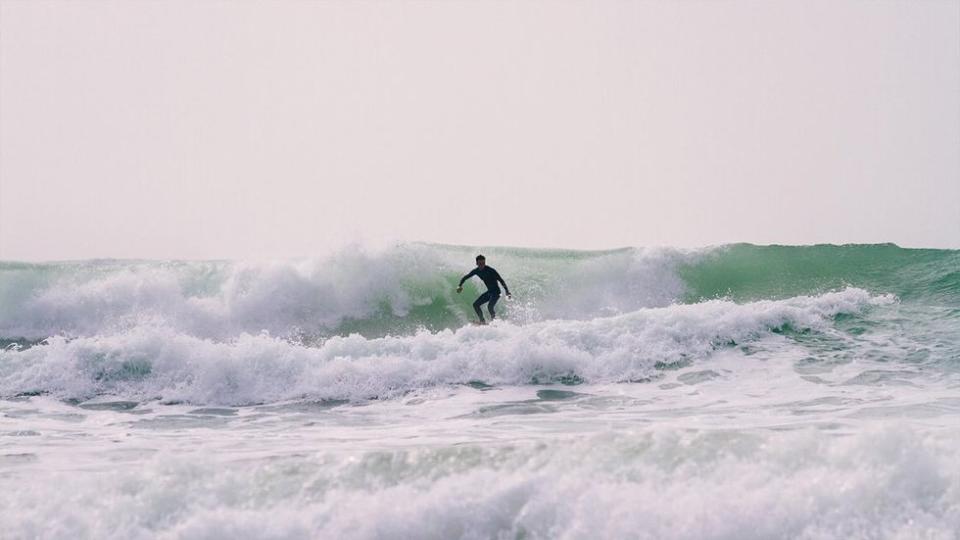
(258, 129)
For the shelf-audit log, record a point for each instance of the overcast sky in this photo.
(167, 129)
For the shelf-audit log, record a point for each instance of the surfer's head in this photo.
(481, 261)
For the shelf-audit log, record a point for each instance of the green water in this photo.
(745, 272)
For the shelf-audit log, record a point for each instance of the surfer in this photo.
(490, 278)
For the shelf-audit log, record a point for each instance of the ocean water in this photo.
(732, 392)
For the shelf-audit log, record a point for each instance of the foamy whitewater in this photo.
(732, 392)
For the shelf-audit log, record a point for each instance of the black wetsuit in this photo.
(490, 278)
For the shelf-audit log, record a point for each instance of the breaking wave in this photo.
(361, 325)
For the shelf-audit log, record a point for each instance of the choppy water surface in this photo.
(733, 392)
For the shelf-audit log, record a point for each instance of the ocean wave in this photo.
(409, 287)
(749, 272)
(158, 362)
(397, 290)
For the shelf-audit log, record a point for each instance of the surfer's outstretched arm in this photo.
(504, 283)
(466, 277)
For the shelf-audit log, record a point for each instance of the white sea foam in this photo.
(155, 361)
(220, 299)
(885, 481)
